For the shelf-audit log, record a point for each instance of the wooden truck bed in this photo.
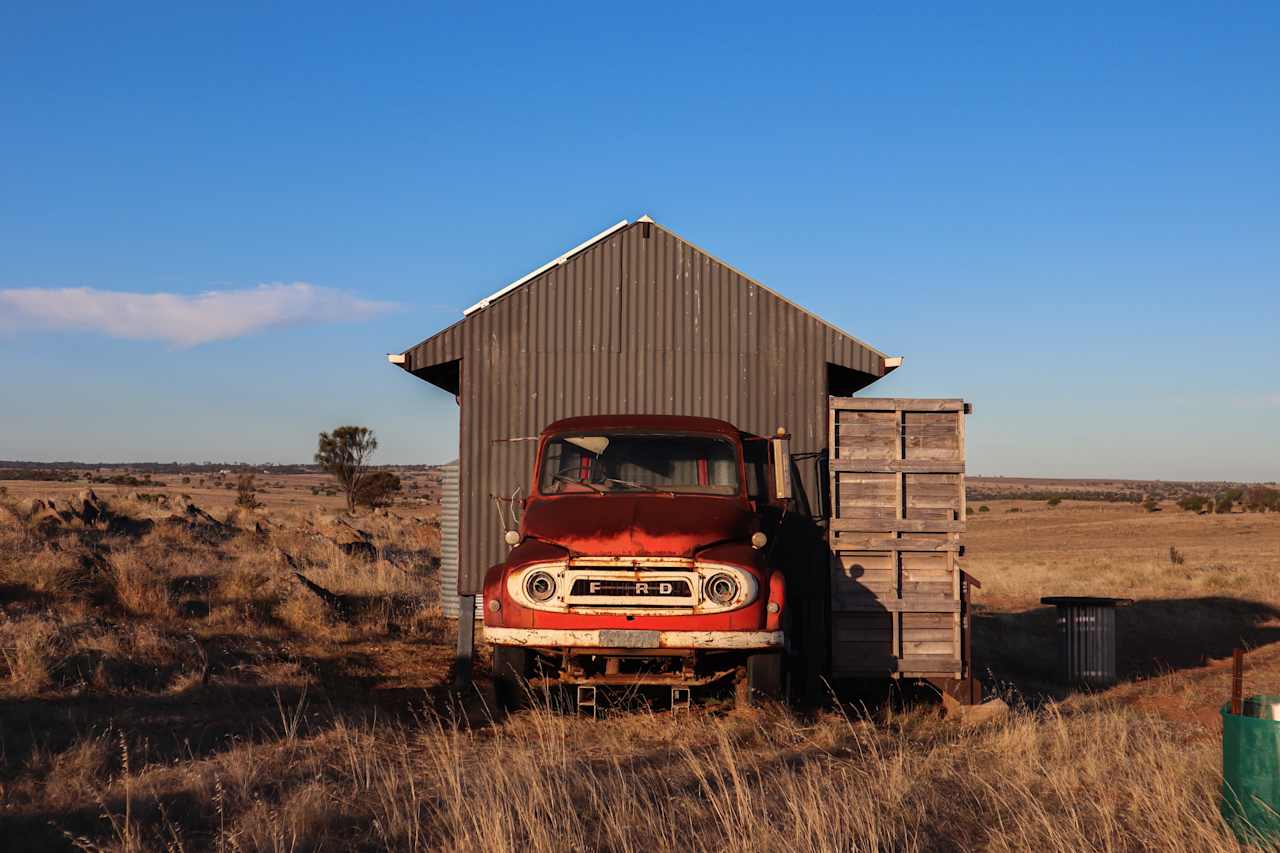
(899, 599)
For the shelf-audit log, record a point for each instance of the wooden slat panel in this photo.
(907, 403)
(897, 483)
(922, 621)
(906, 525)
(846, 540)
(894, 466)
(911, 648)
(920, 565)
(931, 436)
(902, 605)
(926, 635)
(845, 664)
(855, 563)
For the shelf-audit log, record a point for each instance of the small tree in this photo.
(377, 489)
(1193, 503)
(246, 497)
(345, 454)
(1054, 501)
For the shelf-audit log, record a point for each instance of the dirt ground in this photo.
(167, 681)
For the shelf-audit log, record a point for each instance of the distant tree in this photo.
(1054, 501)
(1193, 503)
(345, 455)
(377, 489)
(1225, 501)
(246, 496)
(1261, 499)
(1151, 505)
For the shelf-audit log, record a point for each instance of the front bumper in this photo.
(562, 638)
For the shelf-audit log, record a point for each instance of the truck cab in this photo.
(643, 557)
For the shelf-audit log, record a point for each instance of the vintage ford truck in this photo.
(643, 558)
(660, 551)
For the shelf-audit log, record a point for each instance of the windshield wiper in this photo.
(565, 478)
(639, 486)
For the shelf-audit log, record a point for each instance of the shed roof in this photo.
(435, 351)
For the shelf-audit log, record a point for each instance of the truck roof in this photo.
(660, 422)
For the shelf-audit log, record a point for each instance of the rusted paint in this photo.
(646, 536)
(567, 574)
(564, 638)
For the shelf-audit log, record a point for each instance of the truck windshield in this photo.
(633, 462)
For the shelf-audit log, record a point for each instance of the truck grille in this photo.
(631, 588)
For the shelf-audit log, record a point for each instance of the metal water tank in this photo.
(1086, 638)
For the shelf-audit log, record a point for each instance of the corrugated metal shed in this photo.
(637, 322)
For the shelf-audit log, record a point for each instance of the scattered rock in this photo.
(972, 716)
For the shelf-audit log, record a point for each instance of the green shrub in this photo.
(1193, 503)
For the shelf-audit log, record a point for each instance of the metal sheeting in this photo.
(641, 322)
(449, 542)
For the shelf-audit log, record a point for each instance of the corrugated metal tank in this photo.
(1086, 638)
(640, 322)
(449, 541)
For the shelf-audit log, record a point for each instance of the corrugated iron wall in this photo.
(635, 324)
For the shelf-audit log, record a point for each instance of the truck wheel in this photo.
(510, 670)
(764, 676)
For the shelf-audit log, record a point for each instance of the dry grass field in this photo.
(166, 682)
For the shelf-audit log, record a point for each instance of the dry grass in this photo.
(1081, 548)
(1049, 780)
(180, 690)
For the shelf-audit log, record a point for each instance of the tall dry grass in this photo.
(1105, 779)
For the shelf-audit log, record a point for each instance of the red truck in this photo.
(682, 551)
(644, 557)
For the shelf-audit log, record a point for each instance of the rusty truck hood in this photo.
(637, 525)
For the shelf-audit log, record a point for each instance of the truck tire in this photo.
(764, 676)
(510, 671)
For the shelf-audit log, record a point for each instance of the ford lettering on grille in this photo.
(650, 588)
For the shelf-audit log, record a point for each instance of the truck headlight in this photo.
(540, 586)
(722, 588)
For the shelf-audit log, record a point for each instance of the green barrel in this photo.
(1251, 770)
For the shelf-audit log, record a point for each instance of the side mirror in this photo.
(780, 447)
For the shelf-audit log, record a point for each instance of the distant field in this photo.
(421, 489)
(172, 685)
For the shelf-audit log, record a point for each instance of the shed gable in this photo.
(639, 289)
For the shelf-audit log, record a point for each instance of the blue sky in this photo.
(1072, 219)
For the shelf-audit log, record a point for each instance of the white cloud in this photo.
(182, 319)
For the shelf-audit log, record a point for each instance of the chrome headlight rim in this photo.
(540, 586)
(721, 588)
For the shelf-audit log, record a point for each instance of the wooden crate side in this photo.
(898, 508)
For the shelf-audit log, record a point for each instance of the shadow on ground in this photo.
(1153, 637)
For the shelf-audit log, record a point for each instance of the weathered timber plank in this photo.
(908, 404)
(895, 466)
(901, 605)
(874, 542)
(915, 634)
(873, 525)
(916, 665)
